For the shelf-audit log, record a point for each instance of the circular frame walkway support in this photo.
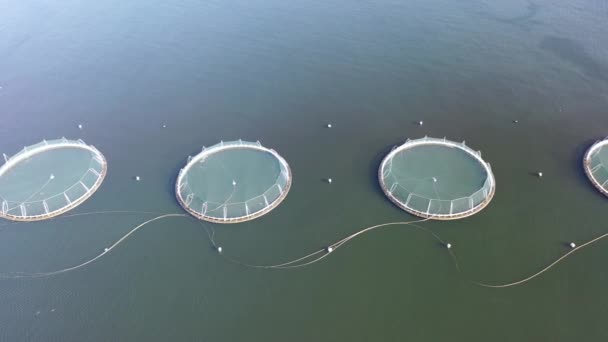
(70, 203)
(185, 201)
(596, 171)
(486, 192)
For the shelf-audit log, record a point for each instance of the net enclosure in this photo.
(596, 165)
(233, 182)
(49, 178)
(437, 178)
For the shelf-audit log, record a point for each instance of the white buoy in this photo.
(52, 176)
(448, 245)
(420, 123)
(164, 126)
(540, 174)
(79, 126)
(137, 178)
(330, 249)
(329, 180)
(572, 245)
(219, 249)
(328, 125)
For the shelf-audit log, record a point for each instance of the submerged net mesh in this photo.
(437, 178)
(233, 182)
(596, 165)
(49, 178)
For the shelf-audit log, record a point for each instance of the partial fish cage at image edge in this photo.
(436, 208)
(41, 205)
(259, 203)
(595, 164)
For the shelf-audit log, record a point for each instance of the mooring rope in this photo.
(109, 212)
(326, 251)
(306, 260)
(543, 270)
(90, 213)
(105, 251)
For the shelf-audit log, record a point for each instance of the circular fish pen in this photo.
(49, 178)
(595, 164)
(437, 179)
(233, 182)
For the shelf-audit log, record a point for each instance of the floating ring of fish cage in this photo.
(233, 182)
(595, 164)
(437, 179)
(49, 178)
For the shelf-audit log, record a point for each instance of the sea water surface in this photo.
(278, 71)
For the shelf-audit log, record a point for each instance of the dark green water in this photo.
(278, 71)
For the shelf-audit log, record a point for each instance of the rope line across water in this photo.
(543, 270)
(303, 261)
(106, 251)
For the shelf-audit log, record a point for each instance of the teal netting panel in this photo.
(419, 203)
(35, 209)
(56, 202)
(461, 205)
(273, 193)
(601, 175)
(480, 196)
(440, 207)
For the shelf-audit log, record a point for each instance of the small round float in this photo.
(233, 182)
(49, 178)
(437, 179)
